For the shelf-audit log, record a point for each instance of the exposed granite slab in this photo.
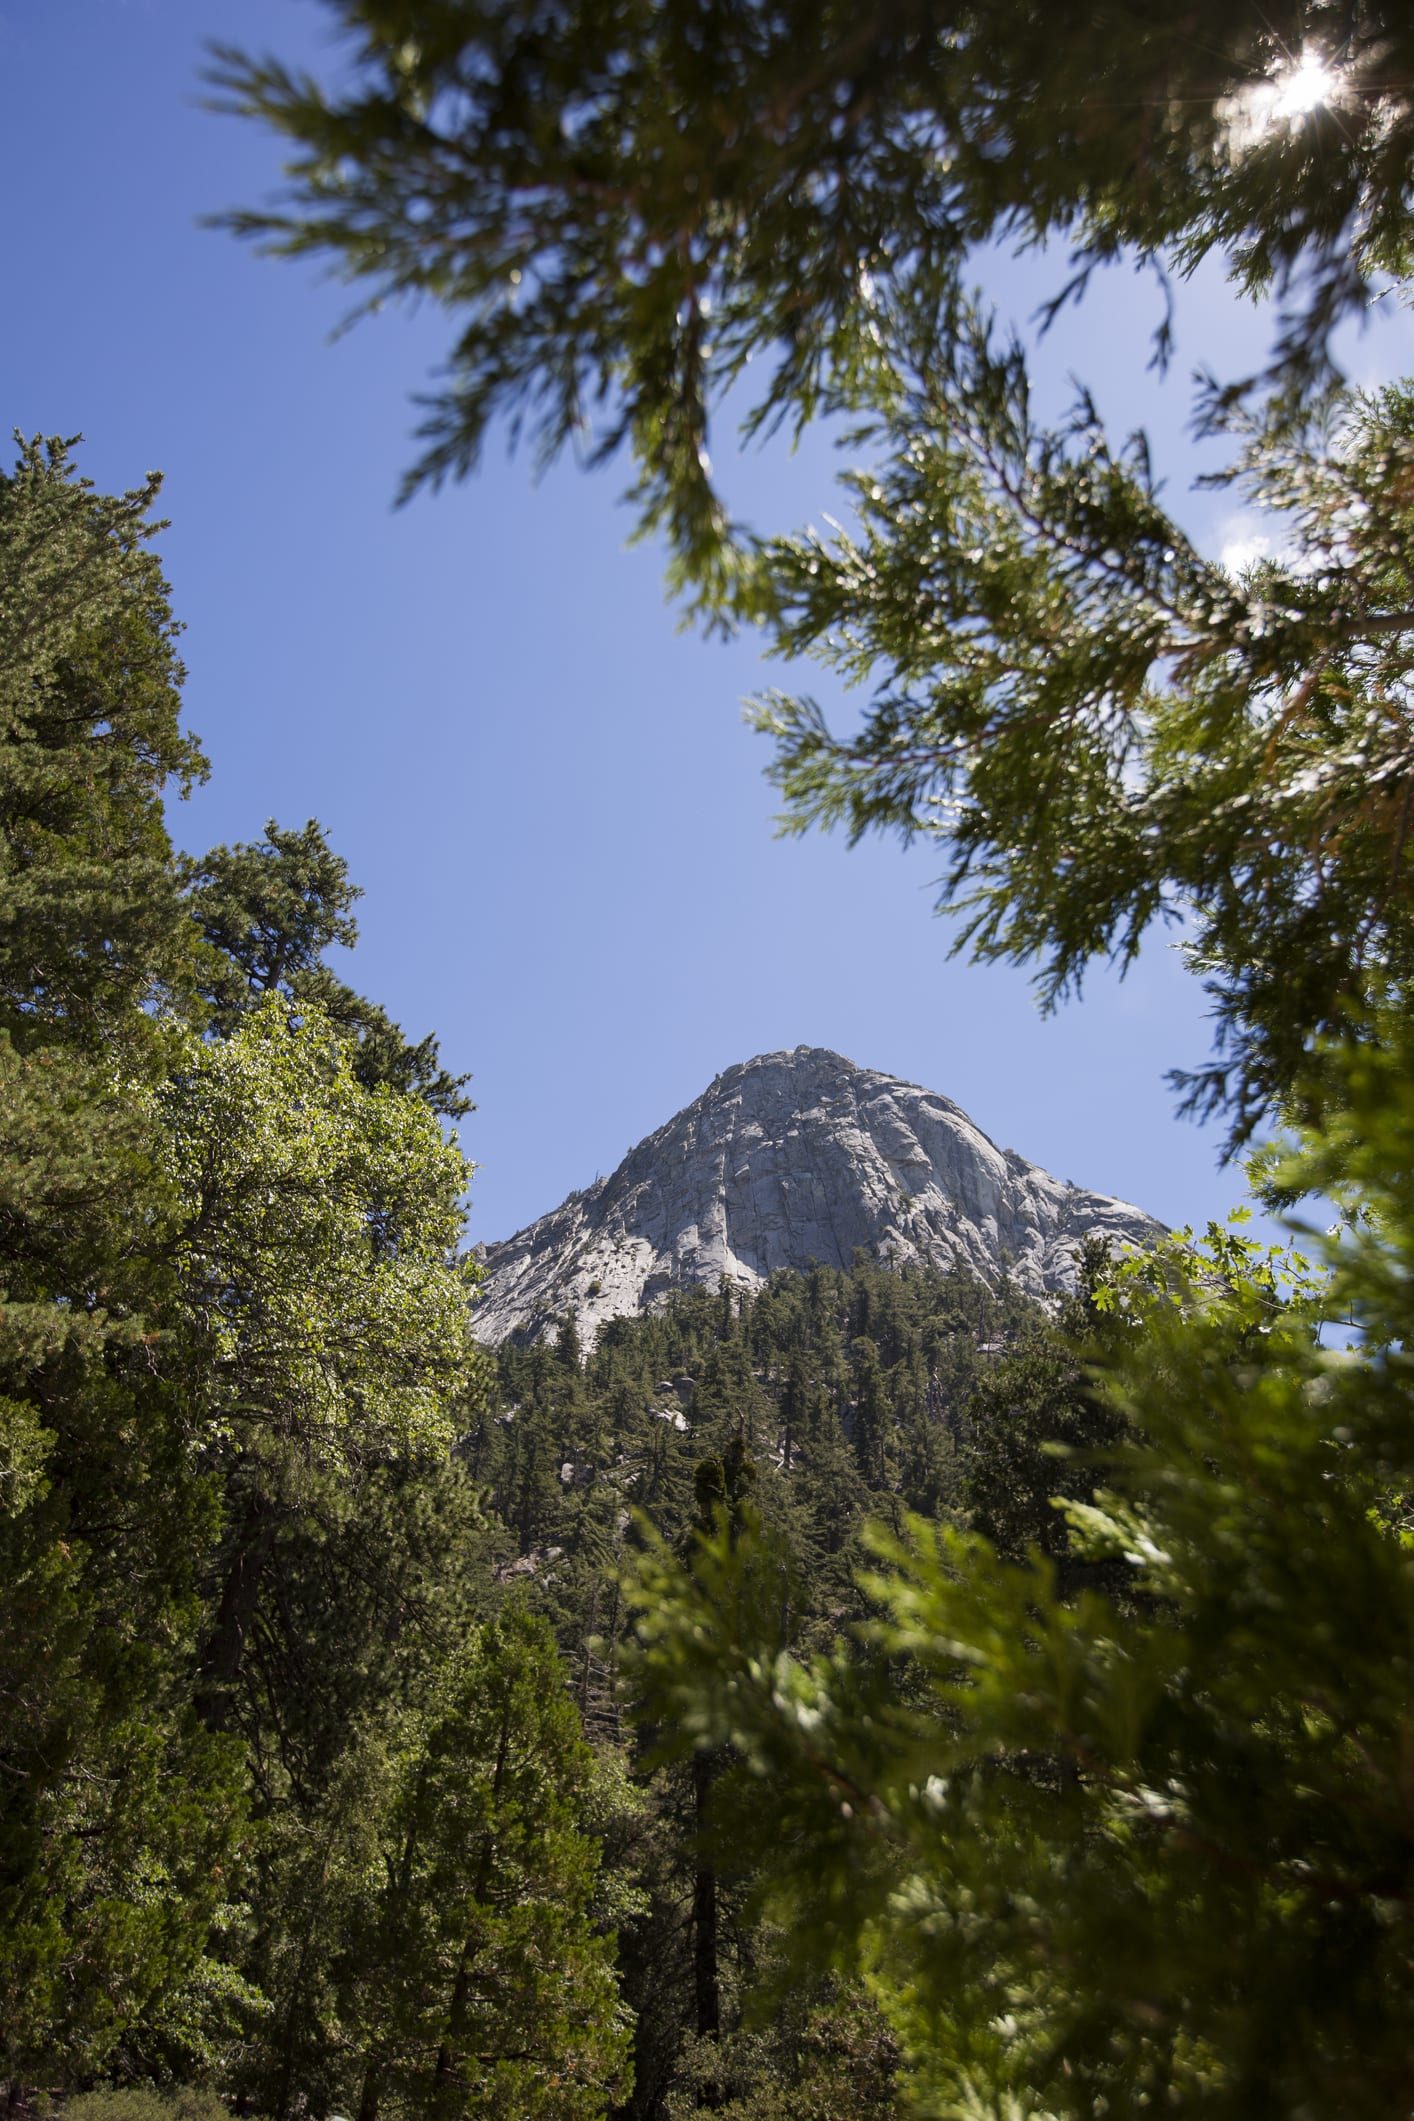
(787, 1159)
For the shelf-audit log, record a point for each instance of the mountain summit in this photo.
(785, 1160)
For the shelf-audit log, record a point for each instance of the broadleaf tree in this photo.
(317, 1290)
(269, 911)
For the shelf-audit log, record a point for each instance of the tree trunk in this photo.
(706, 1989)
(224, 1653)
(368, 2098)
(447, 2076)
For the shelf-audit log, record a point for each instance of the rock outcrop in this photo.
(789, 1159)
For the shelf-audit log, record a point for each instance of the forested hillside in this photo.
(822, 1403)
(849, 1395)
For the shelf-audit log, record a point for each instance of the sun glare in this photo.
(1301, 85)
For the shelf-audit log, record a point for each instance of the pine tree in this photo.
(1143, 1845)
(475, 1977)
(91, 925)
(620, 218)
(364, 1598)
(874, 1442)
(1101, 726)
(1036, 1429)
(268, 913)
(118, 1816)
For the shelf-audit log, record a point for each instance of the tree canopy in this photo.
(90, 686)
(1091, 1794)
(244, 1591)
(1115, 1844)
(270, 911)
(623, 206)
(1120, 1823)
(1102, 727)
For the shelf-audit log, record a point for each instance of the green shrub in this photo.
(144, 2102)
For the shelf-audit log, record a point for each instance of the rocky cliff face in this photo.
(788, 1159)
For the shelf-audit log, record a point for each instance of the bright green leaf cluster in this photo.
(314, 1247)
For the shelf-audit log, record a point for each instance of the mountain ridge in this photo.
(786, 1159)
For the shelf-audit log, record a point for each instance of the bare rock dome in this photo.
(787, 1160)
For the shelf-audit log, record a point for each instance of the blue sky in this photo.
(543, 785)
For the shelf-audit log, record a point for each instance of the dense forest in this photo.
(822, 1404)
(869, 1694)
(288, 1805)
(323, 1788)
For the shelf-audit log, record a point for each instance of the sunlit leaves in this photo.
(315, 1240)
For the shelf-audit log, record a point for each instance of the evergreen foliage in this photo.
(1101, 727)
(1022, 1705)
(91, 925)
(1142, 1845)
(270, 911)
(835, 1422)
(481, 1986)
(1120, 1822)
(188, 2103)
(774, 1403)
(621, 208)
(246, 1600)
(118, 1812)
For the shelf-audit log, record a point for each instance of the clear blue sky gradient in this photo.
(543, 785)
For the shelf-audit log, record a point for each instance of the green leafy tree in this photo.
(317, 1291)
(369, 1592)
(316, 1238)
(272, 1310)
(235, 1560)
(723, 1489)
(824, 2053)
(874, 1441)
(1036, 1429)
(659, 1407)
